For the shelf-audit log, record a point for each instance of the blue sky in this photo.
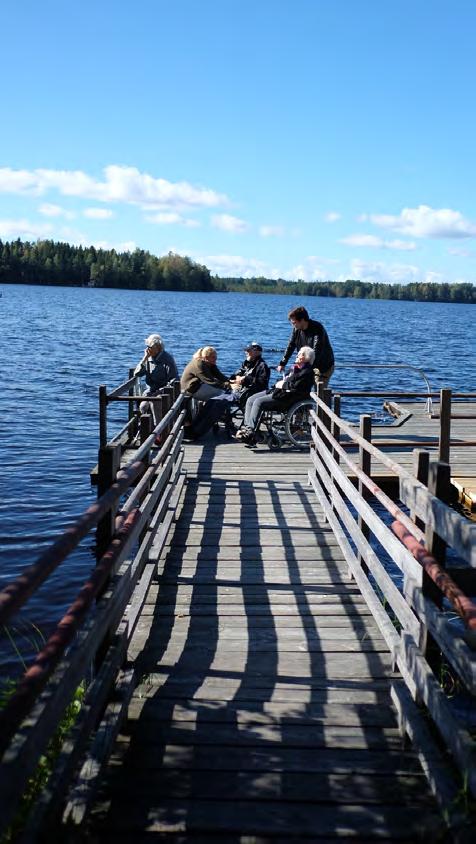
(315, 139)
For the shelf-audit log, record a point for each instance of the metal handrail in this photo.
(417, 369)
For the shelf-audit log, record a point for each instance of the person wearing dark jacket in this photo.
(201, 377)
(296, 386)
(309, 332)
(252, 376)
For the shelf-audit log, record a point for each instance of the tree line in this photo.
(47, 262)
(56, 263)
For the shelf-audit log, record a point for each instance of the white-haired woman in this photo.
(201, 377)
(297, 385)
(158, 366)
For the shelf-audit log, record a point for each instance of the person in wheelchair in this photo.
(252, 376)
(295, 386)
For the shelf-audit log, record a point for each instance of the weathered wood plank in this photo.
(234, 712)
(275, 785)
(320, 690)
(260, 669)
(254, 817)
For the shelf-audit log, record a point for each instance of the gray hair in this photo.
(309, 354)
(154, 340)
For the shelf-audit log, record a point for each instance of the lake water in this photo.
(58, 344)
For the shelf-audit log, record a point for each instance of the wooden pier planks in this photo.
(262, 710)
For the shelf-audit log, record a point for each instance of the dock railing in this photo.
(88, 649)
(398, 558)
(407, 366)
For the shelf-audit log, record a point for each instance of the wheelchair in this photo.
(291, 426)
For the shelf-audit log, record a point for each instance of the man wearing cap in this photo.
(252, 376)
(158, 367)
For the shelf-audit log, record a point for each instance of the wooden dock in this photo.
(263, 710)
(268, 646)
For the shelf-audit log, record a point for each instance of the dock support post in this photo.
(109, 461)
(365, 464)
(445, 425)
(102, 415)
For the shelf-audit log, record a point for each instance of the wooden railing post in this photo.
(445, 425)
(109, 461)
(131, 404)
(102, 415)
(145, 426)
(168, 400)
(160, 405)
(336, 426)
(421, 464)
(365, 431)
(439, 482)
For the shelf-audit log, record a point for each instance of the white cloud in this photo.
(376, 271)
(120, 184)
(50, 210)
(332, 216)
(24, 228)
(170, 218)
(461, 253)
(271, 231)
(427, 222)
(228, 223)
(310, 268)
(377, 242)
(125, 246)
(238, 266)
(98, 213)
(74, 236)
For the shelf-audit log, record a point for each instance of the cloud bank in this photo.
(120, 184)
(427, 222)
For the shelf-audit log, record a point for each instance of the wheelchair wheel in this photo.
(273, 442)
(298, 424)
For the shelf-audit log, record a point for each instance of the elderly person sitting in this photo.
(296, 386)
(201, 377)
(252, 376)
(159, 369)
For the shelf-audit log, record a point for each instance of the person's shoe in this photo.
(243, 432)
(249, 439)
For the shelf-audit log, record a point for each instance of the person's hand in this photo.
(238, 379)
(280, 367)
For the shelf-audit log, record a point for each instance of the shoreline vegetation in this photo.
(46, 262)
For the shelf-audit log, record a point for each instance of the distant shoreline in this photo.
(47, 263)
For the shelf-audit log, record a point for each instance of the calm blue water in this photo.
(58, 344)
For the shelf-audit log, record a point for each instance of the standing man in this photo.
(309, 332)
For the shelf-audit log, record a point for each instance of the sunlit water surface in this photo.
(58, 344)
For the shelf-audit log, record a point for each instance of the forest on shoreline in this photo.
(48, 262)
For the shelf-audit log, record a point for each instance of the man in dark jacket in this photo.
(296, 386)
(309, 332)
(252, 376)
